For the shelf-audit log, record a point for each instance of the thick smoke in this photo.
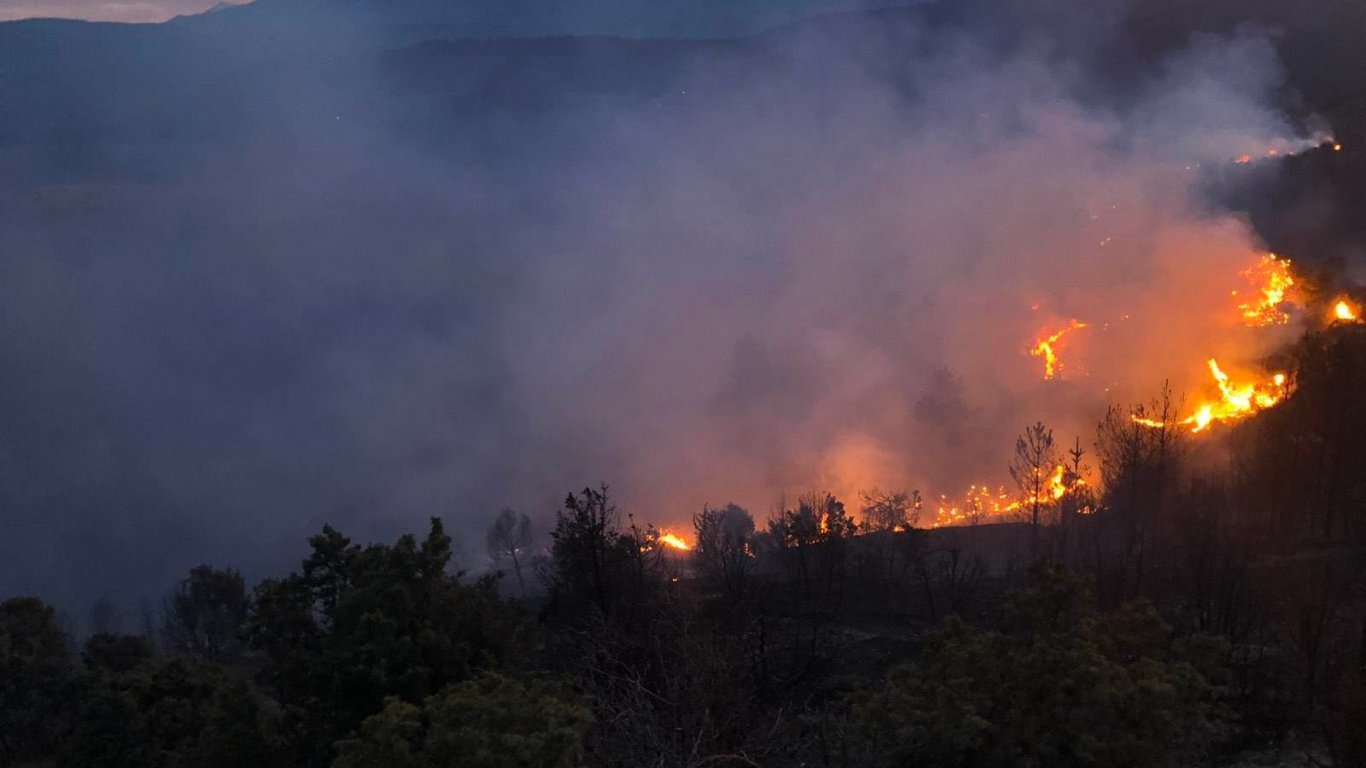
(837, 285)
(813, 259)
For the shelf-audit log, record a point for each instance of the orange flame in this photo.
(981, 503)
(1344, 311)
(1044, 348)
(670, 540)
(1236, 401)
(1274, 281)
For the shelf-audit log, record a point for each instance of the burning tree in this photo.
(812, 537)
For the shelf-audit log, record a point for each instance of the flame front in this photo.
(1044, 348)
(1235, 401)
(670, 540)
(981, 503)
(1272, 275)
(1344, 311)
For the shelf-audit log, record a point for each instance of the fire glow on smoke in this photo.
(986, 283)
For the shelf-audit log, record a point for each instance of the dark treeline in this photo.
(1204, 599)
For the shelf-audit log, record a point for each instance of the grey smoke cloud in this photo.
(811, 261)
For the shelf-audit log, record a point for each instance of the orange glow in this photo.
(670, 540)
(1045, 348)
(1235, 402)
(1274, 284)
(981, 504)
(1344, 311)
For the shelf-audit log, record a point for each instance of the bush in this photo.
(489, 722)
(1059, 686)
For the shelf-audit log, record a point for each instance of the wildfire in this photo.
(1344, 311)
(1274, 287)
(1274, 284)
(1272, 275)
(1044, 348)
(981, 503)
(670, 540)
(1290, 149)
(1235, 401)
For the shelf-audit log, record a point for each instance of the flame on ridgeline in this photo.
(1272, 288)
(674, 542)
(1291, 148)
(1235, 401)
(981, 503)
(1275, 287)
(1045, 348)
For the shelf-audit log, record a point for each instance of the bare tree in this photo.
(1077, 500)
(1140, 451)
(508, 539)
(890, 541)
(1035, 459)
(889, 511)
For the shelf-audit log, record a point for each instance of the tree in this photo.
(206, 615)
(890, 543)
(1031, 468)
(140, 712)
(508, 539)
(813, 538)
(37, 681)
(595, 564)
(360, 624)
(1060, 685)
(723, 551)
(1140, 466)
(1300, 468)
(1077, 500)
(491, 721)
(116, 654)
(897, 511)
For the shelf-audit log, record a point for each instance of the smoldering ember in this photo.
(682, 383)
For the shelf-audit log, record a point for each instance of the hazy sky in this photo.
(102, 10)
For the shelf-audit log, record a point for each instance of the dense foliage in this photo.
(1058, 685)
